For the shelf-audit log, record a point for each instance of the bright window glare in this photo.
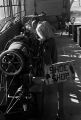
(79, 90)
(2, 15)
(79, 85)
(76, 75)
(74, 100)
(76, 79)
(77, 82)
(73, 95)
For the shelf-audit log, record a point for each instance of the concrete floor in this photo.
(69, 50)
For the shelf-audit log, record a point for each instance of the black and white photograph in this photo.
(40, 53)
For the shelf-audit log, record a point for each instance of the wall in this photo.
(29, 7)
(51, 7)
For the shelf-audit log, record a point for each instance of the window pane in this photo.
(22, 2)
(15, 2)
(6, 2)
(12, 2)
(22, 14)
(1, 2)
(22, 8)
(2, 14)
(7, 11)
(15, 9)
(18, 9)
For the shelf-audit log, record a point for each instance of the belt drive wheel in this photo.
(11, 62)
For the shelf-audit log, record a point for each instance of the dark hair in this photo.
(36, 19)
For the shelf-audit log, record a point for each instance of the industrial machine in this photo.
(21, 63)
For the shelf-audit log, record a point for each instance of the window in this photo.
(11, 9)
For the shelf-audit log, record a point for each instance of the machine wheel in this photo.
(11, 62)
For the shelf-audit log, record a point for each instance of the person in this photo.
(46, 38)
(45, 34)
